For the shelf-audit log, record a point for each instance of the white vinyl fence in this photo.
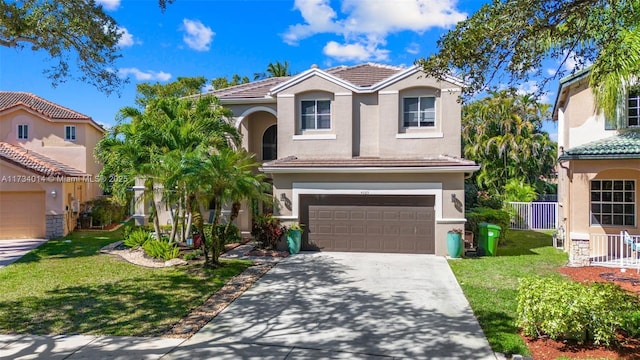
(534, 215)
(619, 250)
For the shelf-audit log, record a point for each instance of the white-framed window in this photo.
(419, 111)
(70, 133)
(315, 114)
(633, 109)
(613, 202)
(23, 132)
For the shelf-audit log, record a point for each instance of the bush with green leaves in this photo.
(193, 255)
(478, 215)
(105, 210)
(570, 310)
(229, 234)
(137, 238)
(161, 249)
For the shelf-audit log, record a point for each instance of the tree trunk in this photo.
(235, 211)
(154, 210)
(215, 239)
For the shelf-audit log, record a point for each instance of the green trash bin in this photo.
(488, 242)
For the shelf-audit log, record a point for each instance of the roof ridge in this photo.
(249, 85)
(38, 98)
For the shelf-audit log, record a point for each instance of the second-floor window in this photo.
(633, 109)
(419, 111)
(23, 132)
(315, 114)
(70, 133)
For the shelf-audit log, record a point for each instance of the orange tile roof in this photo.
(10, 99)
(35, 162)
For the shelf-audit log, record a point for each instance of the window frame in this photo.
(316, 114)
(66, 133)
(419, 98)
(22, 132)
(596, 218)
(633, 96)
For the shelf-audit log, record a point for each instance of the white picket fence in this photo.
(615, 250)
(534, 215)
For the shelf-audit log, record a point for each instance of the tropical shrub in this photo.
(478, 215)
(137, 238)
(161, 249)
(267, 230)
(516, 190)
(562, 309)
(229, 233)
(193, 255)
(105, 210)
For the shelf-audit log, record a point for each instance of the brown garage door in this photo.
(370, 223)
(22, 215)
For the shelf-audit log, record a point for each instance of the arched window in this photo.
(270, 143)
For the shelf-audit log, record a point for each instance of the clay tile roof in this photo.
(369, 162)
(257, 89)
(35, 162)
(365, 74)
(622, 146)
(9, 99)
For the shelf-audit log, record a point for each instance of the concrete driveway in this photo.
(346, 306)
(12, 250)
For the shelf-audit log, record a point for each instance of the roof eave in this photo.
(598, 157)
(369, 170)
(242, 101)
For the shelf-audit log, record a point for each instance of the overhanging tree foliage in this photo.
(60, 28)
(503, 134)
(507, 42)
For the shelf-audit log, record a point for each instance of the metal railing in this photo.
(614, 250)
(541, 215)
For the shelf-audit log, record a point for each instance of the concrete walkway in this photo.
(310, 306)
(12, 250)
(346, 306)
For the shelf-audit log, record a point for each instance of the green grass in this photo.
(66, 287)
(490, 284)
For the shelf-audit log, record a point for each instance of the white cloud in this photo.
(358, 52)
(366, 24)
(413, 48)
(197, 36)
(109, 4)
(148, 75)
(531, 87)
(575, 62)
(126, 38)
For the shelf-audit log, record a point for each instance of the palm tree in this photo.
(223, 176)
(276, 69)
(503, 133)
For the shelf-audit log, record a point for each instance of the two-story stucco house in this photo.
(598, 175)
(47, 168)
(367, 157)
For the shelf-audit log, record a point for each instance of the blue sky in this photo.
(214, 38)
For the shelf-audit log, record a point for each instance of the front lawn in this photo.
(490, 284)
(67, 287)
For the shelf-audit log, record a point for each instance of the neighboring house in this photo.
(47, 167)
(367, 157)
(598, 175)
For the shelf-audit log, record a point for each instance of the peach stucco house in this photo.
(598, 176)
(367, 157)
(47, 168)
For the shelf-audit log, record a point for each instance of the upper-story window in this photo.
(419, 111)
(270, 143)
(315, 114)
(633, 109)
(70, 133)
(23, 132)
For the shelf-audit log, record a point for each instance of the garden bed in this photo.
(629, 348)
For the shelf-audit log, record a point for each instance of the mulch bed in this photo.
(627, 349)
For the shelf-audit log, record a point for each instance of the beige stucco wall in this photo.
(449, 212)
(575, 202)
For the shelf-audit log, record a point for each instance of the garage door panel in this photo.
(22, 215)
(400, 229)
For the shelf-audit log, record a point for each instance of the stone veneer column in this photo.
(579, 254)
(55, 226)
